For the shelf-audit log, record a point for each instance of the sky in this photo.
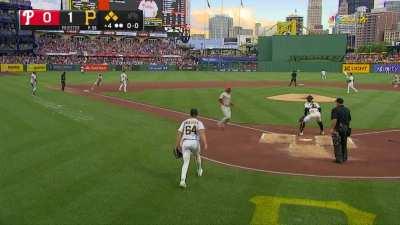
(267, 12)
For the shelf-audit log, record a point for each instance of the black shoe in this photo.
(338, 161)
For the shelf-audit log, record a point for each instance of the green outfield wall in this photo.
(309, 53)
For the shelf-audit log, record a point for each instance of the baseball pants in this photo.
(351, 86)
(123, 86)
(190, 147)
(226, 111)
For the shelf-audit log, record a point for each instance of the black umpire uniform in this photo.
(341, 119)
(63, 81)
(294, 78)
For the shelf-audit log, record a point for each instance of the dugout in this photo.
(310, 53)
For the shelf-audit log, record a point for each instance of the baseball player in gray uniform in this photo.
(225, 101)
(190, 133)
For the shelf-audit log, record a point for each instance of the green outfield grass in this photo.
(112, 77)
(252, 107)
(66, 159)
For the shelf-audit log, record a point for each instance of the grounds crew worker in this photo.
(340, 130)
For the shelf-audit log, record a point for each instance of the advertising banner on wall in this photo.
(386, 68)
(12, 68)
(157, 67)
(95, 67)
(36, 68)
(357, 68)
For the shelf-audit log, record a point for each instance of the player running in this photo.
(98, 81)
(350, 82)
(190, 133)
(323, 74)
(124, 82)
(312, 111)
(225, 101)
(33, 82)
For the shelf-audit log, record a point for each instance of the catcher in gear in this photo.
(312, 111)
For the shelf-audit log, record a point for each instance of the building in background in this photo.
(220, 26)
(314, 16)
(354, 4)
(373, 31)
(237, 31)
(299, 22)
(258, 30)
(343, 8)
(392, 6)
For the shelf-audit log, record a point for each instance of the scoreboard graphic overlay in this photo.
(81, 20)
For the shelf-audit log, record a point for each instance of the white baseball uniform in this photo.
(350, 84)
(190, 143)
(124, 82)
(33, 82)
(313, 112)
(149, 8)
(226, 106)
(323, 74)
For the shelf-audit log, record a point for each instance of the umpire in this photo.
(340, 130)
(63, 83)
(294, 78)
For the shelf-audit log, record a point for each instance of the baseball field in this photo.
(104, 157)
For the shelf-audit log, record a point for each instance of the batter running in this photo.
(190, 133)
(225, 101)
(312, 111)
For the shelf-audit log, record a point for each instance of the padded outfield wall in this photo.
(307, 53)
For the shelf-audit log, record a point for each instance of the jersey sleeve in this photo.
(201, 126)
(180, 129)
(221, 96)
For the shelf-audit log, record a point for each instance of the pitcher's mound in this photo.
(300, 98)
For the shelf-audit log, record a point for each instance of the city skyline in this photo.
(252, 11)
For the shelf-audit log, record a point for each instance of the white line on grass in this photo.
(181, 113)
(264, 131)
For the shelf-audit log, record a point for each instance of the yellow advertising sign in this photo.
(36, 68)
(357, 68)
(12, 68)
(284, 28)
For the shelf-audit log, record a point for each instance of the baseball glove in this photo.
(177, 153)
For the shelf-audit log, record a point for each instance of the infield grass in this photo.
(67, 159)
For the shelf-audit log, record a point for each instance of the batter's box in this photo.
(274, 138)
(326, 141)
(308, 151)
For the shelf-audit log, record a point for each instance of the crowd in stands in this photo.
(55, 49)
(373, 58)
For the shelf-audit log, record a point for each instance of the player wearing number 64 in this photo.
(190, 133)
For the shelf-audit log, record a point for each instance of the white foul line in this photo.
(181, 113)
(300, 174)
(375, 132)
(264, 131)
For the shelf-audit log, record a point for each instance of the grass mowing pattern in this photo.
(118, 169)
(252, 107)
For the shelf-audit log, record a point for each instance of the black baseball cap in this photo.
(340, 100)
(194, 112)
